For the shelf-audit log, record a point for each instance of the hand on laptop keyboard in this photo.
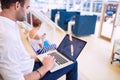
(49, 62)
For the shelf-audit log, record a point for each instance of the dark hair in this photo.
(36, 22)
(5, 4)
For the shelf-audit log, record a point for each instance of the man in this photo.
(71, 23)
(57, 17)
(15, 62)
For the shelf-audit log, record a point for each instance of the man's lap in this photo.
(55, 75)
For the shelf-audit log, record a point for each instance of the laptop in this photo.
(66, 53)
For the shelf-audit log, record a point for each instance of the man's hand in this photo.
(48, 62)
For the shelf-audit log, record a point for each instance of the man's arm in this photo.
(48, 63)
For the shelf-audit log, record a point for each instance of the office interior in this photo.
(97, 22)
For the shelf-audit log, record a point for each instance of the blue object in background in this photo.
(46, 43)
(110, 13)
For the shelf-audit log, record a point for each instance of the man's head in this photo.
(18, 8)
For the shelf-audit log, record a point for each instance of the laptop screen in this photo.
(65, 47)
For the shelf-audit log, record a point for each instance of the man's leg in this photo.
(70, 71)
(70, 24)
(56, 20)
(73, 73)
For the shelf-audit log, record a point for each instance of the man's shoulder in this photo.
(3, 22)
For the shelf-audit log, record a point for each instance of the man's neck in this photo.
(8, 14)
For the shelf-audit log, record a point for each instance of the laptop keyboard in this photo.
(59, 60)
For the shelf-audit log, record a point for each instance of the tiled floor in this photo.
(94, 61)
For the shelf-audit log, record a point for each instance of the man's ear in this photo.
(17, 5)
